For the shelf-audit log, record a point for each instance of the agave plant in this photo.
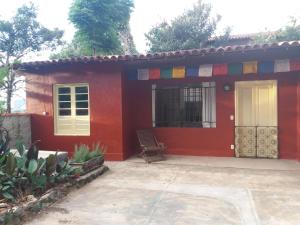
(83, 153)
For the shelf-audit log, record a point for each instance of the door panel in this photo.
(245, 141)
(246, 104)
(267, 146)
(256, 119)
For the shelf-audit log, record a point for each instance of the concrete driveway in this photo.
(185, 190)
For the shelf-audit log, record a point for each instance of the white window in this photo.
(71, 109)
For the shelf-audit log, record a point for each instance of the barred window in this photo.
(184, 106)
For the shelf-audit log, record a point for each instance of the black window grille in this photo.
(185, 106)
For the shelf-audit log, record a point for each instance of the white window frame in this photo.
(73, 119)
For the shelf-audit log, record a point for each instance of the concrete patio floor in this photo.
(185, 190)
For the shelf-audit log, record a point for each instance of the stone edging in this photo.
(17, 214)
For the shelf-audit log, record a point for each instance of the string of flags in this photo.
(209, 70)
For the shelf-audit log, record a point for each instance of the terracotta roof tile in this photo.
(174, 54)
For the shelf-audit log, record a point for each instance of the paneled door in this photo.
(256, 133)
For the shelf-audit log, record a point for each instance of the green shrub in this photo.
(83, 153)
(26, 173)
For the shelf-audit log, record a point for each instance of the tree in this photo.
(190, 30)
(100, 24)
(290, 32)
(21, 35)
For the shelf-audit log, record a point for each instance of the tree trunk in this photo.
(8, 100)
(9, 89)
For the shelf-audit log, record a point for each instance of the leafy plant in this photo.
(11, 164)
(51, 162)
(20, 147)
(96, 151)
(25, 173)
(83, 153)
(32, 166)
(7, 186)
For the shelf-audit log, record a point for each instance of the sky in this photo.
(241, 15)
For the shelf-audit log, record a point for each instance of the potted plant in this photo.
(87, 160)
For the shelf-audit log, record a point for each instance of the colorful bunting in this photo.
(143, 74)
(250, 67)
(205, 70)
(178, 72)
(192, 71)
(282, 65)
(132, 75)
(208, 70)
(235, 68)
(154, 74)
(220, 69)
(295, 64)
(166, 73)
(265, 67)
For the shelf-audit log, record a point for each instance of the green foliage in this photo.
(51, 162)
(7, 187)
(24, 34)
(33, 152)
(7, 181)
(188, 31)
(96, 151)
(11, 164)
(19, 36)
(25, 172)
(32, 166)
(290, 32)
(3, 73)
(83, 153)
(20, 147)
(39, 181)
(99, 24)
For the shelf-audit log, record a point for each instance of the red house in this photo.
(237, 101)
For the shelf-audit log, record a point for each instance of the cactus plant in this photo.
(51, 163)
(11, 164)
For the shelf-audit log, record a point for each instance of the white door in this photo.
(256, 119)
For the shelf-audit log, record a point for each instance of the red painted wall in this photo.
(287, 116)
(212, 141)
(105, 108)
(120, 107)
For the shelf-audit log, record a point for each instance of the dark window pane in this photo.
(82, 112)
(65, 112)
(184, 106)
(64, 97)
(82, 104)
(81, 90)
(82, 97)
(65, 105)
(64, 90)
